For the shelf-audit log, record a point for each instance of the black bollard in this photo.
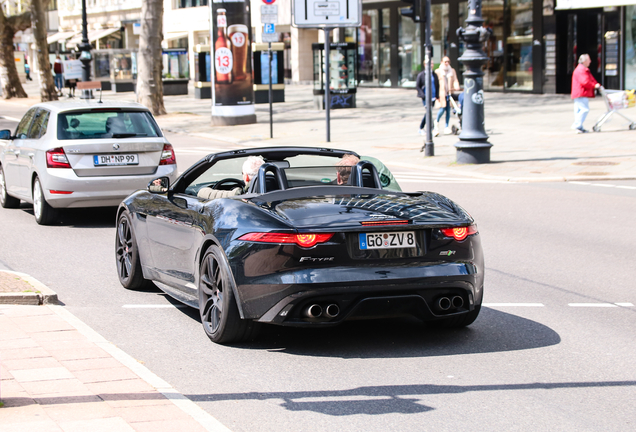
(473, 146)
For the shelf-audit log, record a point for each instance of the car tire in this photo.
(219, 312)
(6, 200)
(459, 321)
(127, 259)
(43, 212)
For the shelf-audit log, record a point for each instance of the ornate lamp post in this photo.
(85, 56)
(473, 147)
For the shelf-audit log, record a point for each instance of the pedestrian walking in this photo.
(27, 71)
(448, 83)
(420, 84)
(58, 69)
(583, 86)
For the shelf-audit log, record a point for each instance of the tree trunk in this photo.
(38, 25)
(149, 63)
(9, 26)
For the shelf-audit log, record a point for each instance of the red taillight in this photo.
(303, 240)
(460, 233)
(167, 155)
(56, 158)
(387, 222)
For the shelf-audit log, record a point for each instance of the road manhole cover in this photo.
(595, 163)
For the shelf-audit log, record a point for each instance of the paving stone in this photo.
(97, 425)
(67, 387)
(168, 426)
(42, 374)
(37, 426)
(106, 374)
(89, 364)
(79, 411)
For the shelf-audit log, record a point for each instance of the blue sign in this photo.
(269, 28)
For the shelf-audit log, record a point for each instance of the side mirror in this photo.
(5, 134)
(159, 185)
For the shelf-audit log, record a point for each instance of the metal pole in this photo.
(85, 56)
(429, 146)
(473, 147)
(327, 79)
(271, 120)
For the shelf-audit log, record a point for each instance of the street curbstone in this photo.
(39, 295)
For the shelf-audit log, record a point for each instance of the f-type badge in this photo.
(316, 259)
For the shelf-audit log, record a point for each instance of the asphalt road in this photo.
(552, 350)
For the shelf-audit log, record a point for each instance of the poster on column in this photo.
(232, 90)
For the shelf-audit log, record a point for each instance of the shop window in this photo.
(630, 47)
(409, 52)
(368, 47)
(190, 3)
(519, 46)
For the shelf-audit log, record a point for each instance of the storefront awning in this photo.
(588, 4)
(93, 35)
(174, 36)
(60, 36)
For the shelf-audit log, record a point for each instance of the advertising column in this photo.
(232, 89)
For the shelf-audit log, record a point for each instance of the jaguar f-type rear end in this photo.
(356, 257)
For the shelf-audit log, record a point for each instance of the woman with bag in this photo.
(448, 83)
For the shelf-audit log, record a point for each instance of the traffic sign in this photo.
(269, 2)
(269, 18)
(326, 14)
(269, 28)
(269, 9)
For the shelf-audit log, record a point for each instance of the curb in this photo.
(43, 295)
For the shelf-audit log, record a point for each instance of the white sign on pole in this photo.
(269, 9)
(269, 18)
(329, 13)
(269, 33)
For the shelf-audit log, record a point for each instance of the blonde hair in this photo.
(344, 166)
(252, 164)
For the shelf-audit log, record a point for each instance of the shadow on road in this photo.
(377, 400)
(92, 217)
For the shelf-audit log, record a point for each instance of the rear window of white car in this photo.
(114, 123)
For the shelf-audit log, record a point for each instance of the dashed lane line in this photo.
(152, 306)
(600, 305)
(513, 304)
(604, 185)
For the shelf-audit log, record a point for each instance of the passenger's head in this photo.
(250, 167)
(445, 63)
(344, 167)
(585, 60)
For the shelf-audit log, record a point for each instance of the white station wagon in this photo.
(81, 154)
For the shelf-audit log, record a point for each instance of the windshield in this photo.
(106, 124)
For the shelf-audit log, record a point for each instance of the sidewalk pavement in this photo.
(531, 133)
(58, 375)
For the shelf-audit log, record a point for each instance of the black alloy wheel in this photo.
(127, 256)
(6, 200)
(217, 305)
(42, 210)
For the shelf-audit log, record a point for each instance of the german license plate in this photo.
(118, 159)
(389, 240)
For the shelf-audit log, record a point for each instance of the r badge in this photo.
(447, 253)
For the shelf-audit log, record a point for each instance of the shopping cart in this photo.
(616, 100)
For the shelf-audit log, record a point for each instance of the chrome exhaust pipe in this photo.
(332, 310)
(313, 311)
(444, 303)
(457, 302)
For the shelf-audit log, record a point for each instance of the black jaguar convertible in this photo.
(298, 247)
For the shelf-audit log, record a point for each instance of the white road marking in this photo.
(625, 304)
(10, 118)
(603, 185)
(599, 305)
(513, 304)
(151, 306)
(434, 178)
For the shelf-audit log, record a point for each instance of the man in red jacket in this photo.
(583, 86)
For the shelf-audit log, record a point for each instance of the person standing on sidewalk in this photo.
(27, 71)
(583, 86)
(448, 83)
(58, 69)
(420, 84)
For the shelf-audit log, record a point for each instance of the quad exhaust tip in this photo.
(313, 311)
(444, 303)
(457, 302)
(332, 310)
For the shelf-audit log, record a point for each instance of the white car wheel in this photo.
(6, 200)
(43, 212)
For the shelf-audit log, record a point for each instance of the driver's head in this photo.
(250, 167)
(344, 167)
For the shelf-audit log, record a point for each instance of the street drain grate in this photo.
(595, 163)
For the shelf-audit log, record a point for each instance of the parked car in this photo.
(81, 154)
(299, 246)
